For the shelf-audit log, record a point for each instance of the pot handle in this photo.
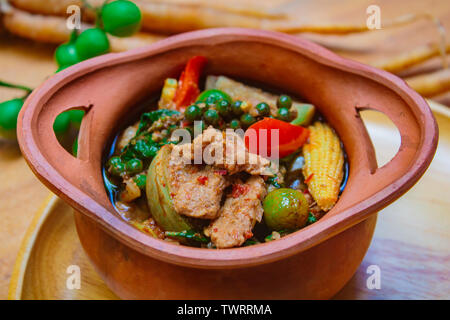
(415, 148)
(36, 134)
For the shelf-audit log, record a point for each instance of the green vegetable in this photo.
(159, 196)
(311, 218)
(284, 101)
(141, 181)
(263, 109)
(193, 113)
(224, 108)
(211, 117)
(121, 18)
(148, 118)
(117, 169)
(75, 147)
(236, 108)
(91, 43)
(134, 166)
(250, 242)
(274, 182)
(61, 68)
(305, 113)
(188, 235)
(75, 117)
(66, 55)
(235, 124)
(114, 161)
(213, 96)
(283, 114)
(61, 124)
(9, 111)
(285, 208)
(247, 119)
(144, 148)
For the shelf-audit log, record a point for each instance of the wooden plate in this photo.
(410, 246)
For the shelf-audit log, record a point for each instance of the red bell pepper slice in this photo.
(291, 137)
(188, 89)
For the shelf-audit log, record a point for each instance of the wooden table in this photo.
(411, 244)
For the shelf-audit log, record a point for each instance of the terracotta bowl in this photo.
(314, 262)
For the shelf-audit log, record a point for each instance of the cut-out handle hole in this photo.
(66, 127)
(384, 134)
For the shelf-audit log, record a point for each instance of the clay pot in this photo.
(314, 262)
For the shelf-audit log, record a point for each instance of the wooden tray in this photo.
(411, 243)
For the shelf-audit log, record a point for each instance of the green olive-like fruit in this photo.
(9, 112)
(91, 43)
(66, 55)
(61, 124)
(75, 147)
(285, 208)
(121, 18)
(75, 117)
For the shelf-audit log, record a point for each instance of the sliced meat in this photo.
(223, 150)
(131, 191)
(127, 135)
(196, 190)
(237, 217)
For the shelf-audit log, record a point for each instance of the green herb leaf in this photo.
(190, 235)
(148, 118)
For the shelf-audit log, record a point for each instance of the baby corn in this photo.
(167, 94)
(323, 169)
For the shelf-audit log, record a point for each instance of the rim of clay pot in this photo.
(242, 256)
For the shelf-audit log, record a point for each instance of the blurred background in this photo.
(411, 39)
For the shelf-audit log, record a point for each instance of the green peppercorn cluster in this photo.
(136, 156)
(120, 18)
(216, 108)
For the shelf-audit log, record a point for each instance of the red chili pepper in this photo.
(308, 180)
(202, 180)
(238, 190)
(221, 172)
(291, 137)
(188, 90)
(185, 123)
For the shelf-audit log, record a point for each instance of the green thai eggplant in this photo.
(158, 195)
